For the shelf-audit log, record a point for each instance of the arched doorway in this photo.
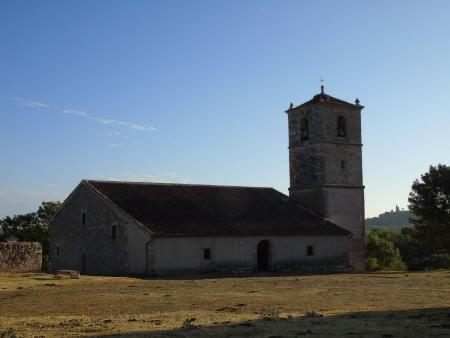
(262, 255)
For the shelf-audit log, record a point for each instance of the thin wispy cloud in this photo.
(113, 133)
(129, 125)
(108, 121)
(31, 103)
(74, 112)
(81, 113)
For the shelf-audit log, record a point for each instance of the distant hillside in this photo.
(394, 220)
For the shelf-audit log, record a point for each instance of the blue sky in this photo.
(194, 91)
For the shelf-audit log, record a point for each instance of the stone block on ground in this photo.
(73, 274)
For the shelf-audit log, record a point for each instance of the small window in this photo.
(341, 130)
(309, 250)
(57, 250)
(114, 231)
(342, 164)
(304, 128)
(207, 254)
(83, 218)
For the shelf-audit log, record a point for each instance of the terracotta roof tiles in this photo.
(208, 210)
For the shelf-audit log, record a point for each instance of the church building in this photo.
(115, 228)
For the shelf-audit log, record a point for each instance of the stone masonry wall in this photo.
(326, 169)
(324, 158)
(88, 246)
(20, 257)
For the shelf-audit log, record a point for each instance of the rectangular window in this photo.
(114, 232)
(309, 250)
(342, 164)
(57, 250)
(83, 218)
(207, 254)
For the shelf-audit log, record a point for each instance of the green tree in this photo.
(382, 253)
(430, 202)
(19, 226)
(32, 227)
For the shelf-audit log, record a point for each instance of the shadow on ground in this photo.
(217, 275)
(296, 273)
(409, 323)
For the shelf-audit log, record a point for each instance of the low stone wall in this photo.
(20, 257)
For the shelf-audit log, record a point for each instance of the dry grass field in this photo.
(372, 305)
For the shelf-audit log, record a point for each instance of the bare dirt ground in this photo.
(371, 305)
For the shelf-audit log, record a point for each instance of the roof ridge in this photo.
(174, 184)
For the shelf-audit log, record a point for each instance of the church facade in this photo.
(113, 228)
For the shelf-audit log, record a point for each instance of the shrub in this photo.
(272, 315)
(372, 264)
(275, 314)
(188, 323)
(397, 265)
(313, 314)
(382, 252)
(10, 333)
(418, 256)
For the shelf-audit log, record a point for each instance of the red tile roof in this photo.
(208, 210)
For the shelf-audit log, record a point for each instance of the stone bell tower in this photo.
(325, 164)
